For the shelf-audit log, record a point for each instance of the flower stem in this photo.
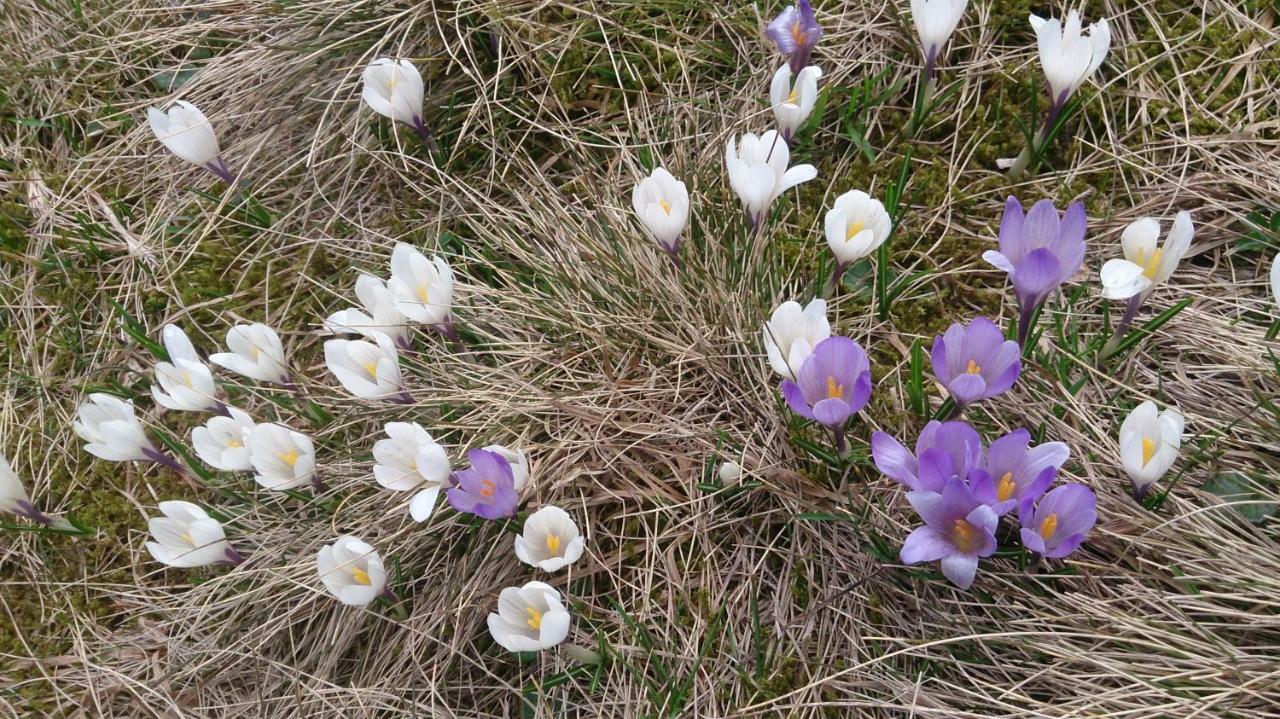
(218, 167)
(29, 511)
(446, 328)
(161, 458)
(425, 134)
(233, 557)
(837, 272)
(1122, 328)
(841, 445)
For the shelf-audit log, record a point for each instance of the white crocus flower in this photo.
(1145, 265)
(367, 370)
(550, 540)
(529, 618)
(423, 288)
(189, 135)
(662, 204)
(14, 497)
(791, 334)
(256, 352)
(186, 536)
(729, 473)
(111, 429)
(352, 571)
(282, 458)
(935, 21)
(410, 459)
(856, 225)
(222, 442)
(1149, 443)
(792, 104)
(393, 88)
(185, 382)
(376, 315)
(1069, 56)
(758, 172)
(518, 461)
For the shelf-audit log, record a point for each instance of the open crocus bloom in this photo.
(282, 458)
(518, 462)
(791, 334)
(1018, 472)
(13, 495)
(185, 382)
(393, 89)
(758, 172)
(1149, 444)
(1069, 56)
(975, 362)
(256, 352)
(951, 448)
(486, 489)
(792, 104)
(1057, 524)
(529, 618)
(376, 315)
(795, 31)
(856, 225)
(1145, 265)
(112, 431)
(832, 385)
(550, 540)
(958, 529)
(935, 20)
(222, 441)
(1039, 251)
(423, 289)
(352, 571)
(410, 459)
(189, 135)
(662, 204)
(365, 369)
(186, 536)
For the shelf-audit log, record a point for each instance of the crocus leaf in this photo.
(1241, 492)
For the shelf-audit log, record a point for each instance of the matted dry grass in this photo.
(625, 383)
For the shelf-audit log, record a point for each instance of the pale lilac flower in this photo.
(1017, 472)
(935, 20)
(959, 529)
(832, 386)
(795, 31)
(1057, 525)
(955, 442)
(975, 362)
(486, 489)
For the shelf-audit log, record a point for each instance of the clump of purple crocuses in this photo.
(975, 362)
(833, 384)
(487, 488)
(795, 31)
(961, 490)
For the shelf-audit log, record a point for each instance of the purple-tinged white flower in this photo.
(377, 314)
(487, 488)
(1057, 524)
(833, 385)
(959, 529)
(189, 135)
(111, 430)
(795, 31)
(14, 497)
(1275, 280)
(758, 172)
(955, 443)
(186, 536)
(1069, 57)
(393, 89)
(791, 334)
(855, 226)
(935, 20)
(366, 369)
(792, 104)
(1017, 472)
(975, 362)
(1149, 445)
(283, 459)
(661, 202)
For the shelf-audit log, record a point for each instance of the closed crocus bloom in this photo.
(729, 473)
(1016, 472)
(959, 529)
(1146, 265)
(975, 362)
(518, 462)
(423, 288)
(791, 334)
(112, 431)
(256, 352)
(14, 497)
(393, 89)
(352, 571)
(758, 172)
(186, 536)
(365, 369)
(953, 449)
(856, 225)
(409, 459)
(282, 458)
(935, 20)
(486, 489)
(1149, 443)
(189, 135)
(1057, 524)
(795, 31)
(222, 442)
(833, 385)
(550, 540)
(662, 204)
(185, 382)
(376, 315)
(1069, 56)
(529, 618)
(792, 104)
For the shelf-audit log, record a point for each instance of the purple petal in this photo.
(1007, 453)
(1041, 226)
(924, 544)
(933, 508)
(1065, 547)
(795, 398)
(1036, 276)
(1069, 245)
(1012, 244)
(938, 358)
(860, 393)
(892, 459)
(960, 569)
(935, 470)
(967, 388)
(958, 440)
(983, 486)
(832, 412)
(1032, 541)
(1005, 368)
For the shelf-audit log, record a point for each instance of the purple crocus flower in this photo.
(833, 384)
(487, 489)
(1039, 251)
(1058, 524)
(958, 529)
(975, 362)
(956, 443)
(795, 31)
(1017, 472)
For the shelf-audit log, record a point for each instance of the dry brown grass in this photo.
(625, 383)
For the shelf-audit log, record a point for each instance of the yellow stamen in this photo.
(535, 618)
(187, 538)
(360, 576)
(553, 543)
(797, 33)
(1150, 265)
(186, 378)
(794, 97)
(234, 443)
(487, 488)
(854, 228)
(290, 458)
(1148, 449)
(665, 207)
(964, 536)
(972, 368)
(371, 368)
(1006, 488)
(1048, 526)
(834, 391)
(423, 297)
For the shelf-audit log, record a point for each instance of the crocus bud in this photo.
(423, 288)
(256, 352)
(935, 20)
(792, 104)
(13, 495)
(393, 88)
(856, 225)
(352, 571)
(184, 382)
(409, 459)
(550, 540)
(729, 473)
(189, 135)
(662, 204)
(112, 431)
(376, 315)
(365, 369)
(758, 172)
(186, 536)
(791, 334)
(795, 31)
(282, 458)
(222, 442)
(1144, 265)
(1149, 444)
(1069, 57)
(529, 618)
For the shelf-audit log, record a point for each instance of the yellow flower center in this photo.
(1148, 449)
(186, 378)
(290, 458)
(553, 543)
(187, 538)
(666, 208)
(1150, 265)
(794, 97)
(854, 228)
(371, 367)
(834, 391)
(797, 33)
(964, 536)
(423, 297)
(1048, 526)
(487, 488)
(1006, 488)
(255, 352)
(234, 443)
(535, 618)
(361, 576)
(972, 368)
